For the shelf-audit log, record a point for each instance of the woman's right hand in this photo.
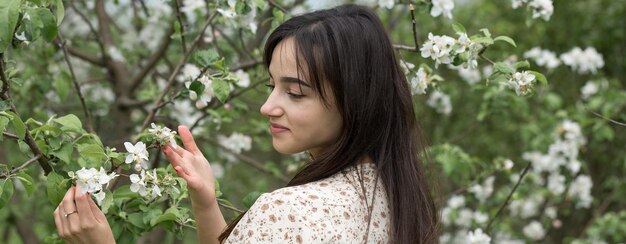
(190, 164)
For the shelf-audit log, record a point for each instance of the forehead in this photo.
(284, 59)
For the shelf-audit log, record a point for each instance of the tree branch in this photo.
(9, 135)
(76, 86)
(412, 9)
(6, 95)
(25, 164)
(153, 60)
(172, 79)
(405, 48)
(506, 202)
(179, 16)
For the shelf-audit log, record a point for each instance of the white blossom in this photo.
(163, 134)
(91, 180)
(386, 3)
(464, 217)
(542, 57)
(589, 89)
(188, 73)
(556, 183)
(456, 201)
(471, 76)
(526, 208)
(550, 212)
(137, 153)
(480, 217)
(440, 102)
(478, 237)
(583, 62)
(406, 67)
(482, 192)
(137, 184)
(243, 78)
(518, 3)
(580, 189)
(508, 164)
(438, 48)
(542, 9)
(534, 231)
(116, 55)
(442, 7)
(419, 83)
(522, 82)
(235, 143)
(99, 197)
(218, 170)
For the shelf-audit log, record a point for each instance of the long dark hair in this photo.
(347, 48)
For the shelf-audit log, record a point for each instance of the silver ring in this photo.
(68, 214)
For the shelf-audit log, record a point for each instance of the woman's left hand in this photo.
(79, 220)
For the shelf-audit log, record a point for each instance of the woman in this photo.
(338, 93)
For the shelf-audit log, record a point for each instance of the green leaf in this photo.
(486, 32)
(137, 219)
(171, 214)
(61, 85)
(60, 12)
(9, 14)
(56, 187)
(64, 153)
(24, 148)
(91, 152)
(107, 202)
(521, 64)
(504, 68)
(27, 182)
(43, 24)
(124, 192)
(458, 28)
(206, 57)
(4, 121)
(220, 89)
(249, 199)
(5, 105)
(6, 192)
(197, 87)
(482, 40)
(70, 123)
(505, 39)
(540, 77)
(278, 15)
(18, 125)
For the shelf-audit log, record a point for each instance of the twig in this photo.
(25, 164)
(412, 9)
(610, 120)
(172, 78)
(81, 54)
(485, 58)
(92, 29)
(153, 60)
(229, 207)
(76, 86)
(5, 95)
(276, 5)
(405, 48)
(9, 135)
(506, 202)
(182, 24)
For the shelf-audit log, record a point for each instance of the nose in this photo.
(271, 107)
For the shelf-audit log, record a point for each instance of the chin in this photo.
(285, 148)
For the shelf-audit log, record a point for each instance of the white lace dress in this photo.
(332, 210)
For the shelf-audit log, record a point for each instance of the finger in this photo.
(71, 223)
(82, 206)
(182, 172)
(57, 221)
(97, 213)
(180, 151)
(68, 201)
(187, 138)
(172, 156)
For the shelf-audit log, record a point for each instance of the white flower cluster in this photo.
(589, 89)
(236, 20)
(482, 192)
(442, 7)
(163, 134)
(455, 213)
(541, 8)
(146, 184)
(583, 62)
(526, 207)
(235, 143)
(188, 74)
(440, 102)
(443, 49)
(534, 231)
(568, 139)
(419, 83)
(521, 82)
(91, 180)
(138, 154)
(543, 57)
(478, 237)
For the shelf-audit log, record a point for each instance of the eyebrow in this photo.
(292, 80)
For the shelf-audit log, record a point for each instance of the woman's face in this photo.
(299, 120)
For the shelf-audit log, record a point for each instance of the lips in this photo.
(277, 128)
